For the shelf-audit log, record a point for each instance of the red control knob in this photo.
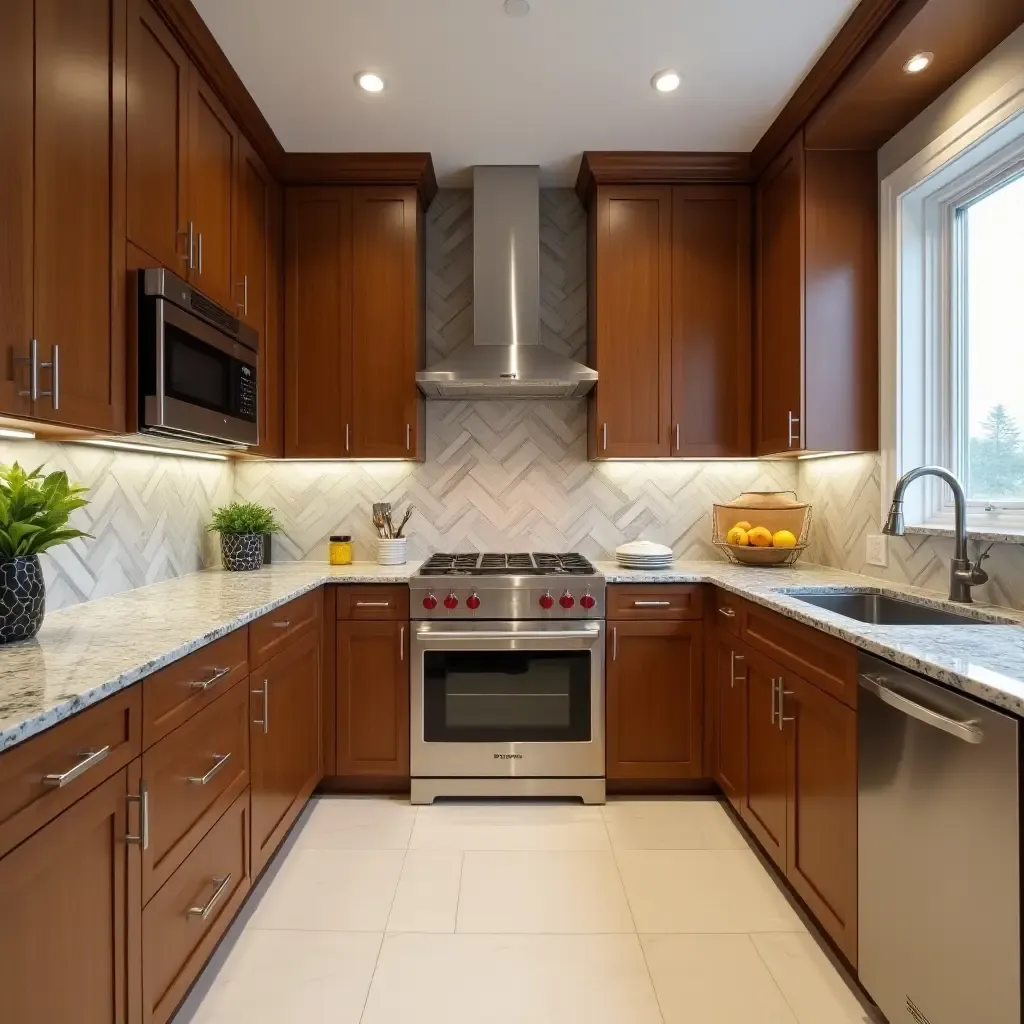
(451, 602)
(472, 602)
(567, 600)
(430, 602)
(547, 602)
(588, 601)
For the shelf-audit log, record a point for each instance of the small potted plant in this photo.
(34, 513)
(242, 525)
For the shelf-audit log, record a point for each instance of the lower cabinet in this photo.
(70, 906)
(285, 742)
(373, 698)
(653, 673)
(729, 692)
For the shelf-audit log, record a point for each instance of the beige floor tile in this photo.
(542, 892)
(511, 979)
(554, 835)
(428, 892)
(332, 890)
(703, 891)
(672, 825)
(346, 823)
(277, 976)
(812, 986)
(713, 979)
(508, 812)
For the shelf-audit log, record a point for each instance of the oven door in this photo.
(515, 699)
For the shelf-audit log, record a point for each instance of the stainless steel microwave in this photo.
(197, 366)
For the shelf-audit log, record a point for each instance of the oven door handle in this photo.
(501, 634)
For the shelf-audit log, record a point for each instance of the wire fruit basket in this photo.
(771, 510)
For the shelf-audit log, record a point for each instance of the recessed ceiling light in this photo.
(665, 81)
(918, 62)
(517, 8)
(369, 81)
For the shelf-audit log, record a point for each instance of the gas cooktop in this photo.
(537, 563)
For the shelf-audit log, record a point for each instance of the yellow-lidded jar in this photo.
(341, 551)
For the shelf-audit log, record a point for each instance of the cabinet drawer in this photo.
(191, 776)
(727, 611)
(174, 694)
(373, 602)
(45, 775)
(654, 601)
(186, 918)
(826, 661)
(273, 632)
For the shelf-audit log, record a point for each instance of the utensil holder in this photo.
(392, 551)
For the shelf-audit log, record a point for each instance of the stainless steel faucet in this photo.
(963, 573)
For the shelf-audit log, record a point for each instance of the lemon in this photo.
(737, 535)
(760, 537)
(742, 525)
(784, 539)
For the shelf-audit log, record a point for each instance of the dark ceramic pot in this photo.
(241, 552)
(22, 598)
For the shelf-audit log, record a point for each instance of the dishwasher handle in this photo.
(969, 731)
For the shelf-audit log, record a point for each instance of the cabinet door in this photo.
(252, 238)
(285, 755)
(70, 909)
(373, 698)
(764, 809)
(79, 212)
(318, 323)
(653, 678)
(212, 158)
(385, 322)
(632, 345)
(821, 851)
(157, 139)
(16, 87)
(779, 338)
(730, 755)
(711, 322)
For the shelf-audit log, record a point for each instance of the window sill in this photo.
(1000, 535)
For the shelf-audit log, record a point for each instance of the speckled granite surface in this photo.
(88, 652)
(85, 653)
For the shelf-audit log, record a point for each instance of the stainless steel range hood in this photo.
(505, 358)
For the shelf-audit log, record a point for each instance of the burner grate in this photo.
(499, 564)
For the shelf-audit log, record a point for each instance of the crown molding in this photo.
(415, 169)
(656, 167)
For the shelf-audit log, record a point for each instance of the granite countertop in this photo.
(85, 653)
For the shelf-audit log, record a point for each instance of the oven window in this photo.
(506, 696)
(196, 373)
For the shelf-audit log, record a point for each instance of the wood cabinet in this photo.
(653, 676)
(70, 907)
(353, 322)
(729, 692)
(670, 286)
(372, 664)
(285, 740)
(816, 322)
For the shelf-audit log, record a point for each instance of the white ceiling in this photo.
(472, 85)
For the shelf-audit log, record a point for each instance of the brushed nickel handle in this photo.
(408, 437)
(733, 678)
(142, 839)
(54, 367)
(652, 604)
(729, 613)
(191, 254)
(204, 911)
(205, 684)
(373, 604)
(245, 294)
(89, 758)
(783, 693)
(202, 780)
(775, 693)
(347, 437)
(794, 437)
(615, 643)
(604, 437)
(32, 360)
(200, 247)
(264, 692)
(282, 624)
(677, 437)
(401, 643)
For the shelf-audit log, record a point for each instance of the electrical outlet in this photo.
(878, 549)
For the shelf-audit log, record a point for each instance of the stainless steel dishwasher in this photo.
(938, 836)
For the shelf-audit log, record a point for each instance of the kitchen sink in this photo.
(865, 606)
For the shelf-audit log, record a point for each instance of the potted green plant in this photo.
(34, 513)
(242, 525)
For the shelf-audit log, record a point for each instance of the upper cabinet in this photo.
(353, 322)
(670, 321)
(62, 303)
(816, 336)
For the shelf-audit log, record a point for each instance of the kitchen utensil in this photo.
(383, 509)
(378, 521)
(405, 519)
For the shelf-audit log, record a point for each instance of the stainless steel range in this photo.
(507, 677)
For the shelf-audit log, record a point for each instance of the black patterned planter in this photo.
(22, 598)
(241, 552)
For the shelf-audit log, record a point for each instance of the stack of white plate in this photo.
(642, 554)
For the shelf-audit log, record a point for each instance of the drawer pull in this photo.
(652, 604)
(264, 692)
(142, 839)
(204, 911)
(205, 684)
(727, 612)
(201, 780)
(283, 624)
(89, 758)
(373, 604)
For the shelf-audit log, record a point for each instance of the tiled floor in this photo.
(641, 912)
